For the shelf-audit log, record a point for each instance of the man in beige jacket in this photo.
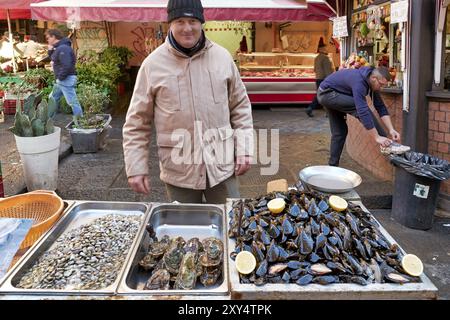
(191, 90)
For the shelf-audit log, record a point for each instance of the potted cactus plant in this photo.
(37, 141)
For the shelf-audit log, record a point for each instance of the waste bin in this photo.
(418, 177)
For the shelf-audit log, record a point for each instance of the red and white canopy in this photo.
(18, 9)
(155, 10)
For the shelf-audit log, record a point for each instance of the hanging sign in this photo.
(340, 27)
(399, 12)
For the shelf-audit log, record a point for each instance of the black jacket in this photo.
(63, 59)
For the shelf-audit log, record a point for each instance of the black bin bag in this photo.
(417, 180)
(422, 165)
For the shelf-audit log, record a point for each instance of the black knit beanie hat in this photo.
(185, 8)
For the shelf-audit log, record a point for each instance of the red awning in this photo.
(155, 10)
(15, 14)
(18, 9)
(16, 4)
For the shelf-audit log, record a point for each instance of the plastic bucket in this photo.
(89, 140)
(39, 157)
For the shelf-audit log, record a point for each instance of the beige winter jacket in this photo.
(185, 97)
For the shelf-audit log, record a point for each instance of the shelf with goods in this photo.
(278, 77)
(374, 39)
(361, 5)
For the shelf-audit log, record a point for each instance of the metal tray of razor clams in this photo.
(181, 251)
(84, 253)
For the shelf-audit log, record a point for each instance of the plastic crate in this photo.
(9, 106)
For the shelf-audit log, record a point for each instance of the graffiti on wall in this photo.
(146, 39)
(92, 36)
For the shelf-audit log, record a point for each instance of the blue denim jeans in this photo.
(66, 87)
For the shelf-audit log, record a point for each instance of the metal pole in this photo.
(11, 41)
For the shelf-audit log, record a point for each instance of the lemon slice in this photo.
(245, 262)
(276, 205)
(412, 265)
(337, 203)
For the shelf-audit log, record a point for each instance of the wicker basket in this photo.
(45, 207)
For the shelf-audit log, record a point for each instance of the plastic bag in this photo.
(422, 165)
(12, 233)
(7, 226)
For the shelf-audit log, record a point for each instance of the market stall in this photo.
(131, 250)
(12, 10)
(377, 41)
(281, 68)
(293, 80)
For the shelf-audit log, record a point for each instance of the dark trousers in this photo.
(314, 104)
(217, 194)
(338, 105)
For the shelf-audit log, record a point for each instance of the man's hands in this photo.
(383, 141)
(394, 135)
(386, 142)
(242, 165)
(140, 184)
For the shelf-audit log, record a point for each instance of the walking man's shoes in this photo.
(395, 148)
(309, 112)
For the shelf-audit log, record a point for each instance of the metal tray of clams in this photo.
(78, 257)
(188, 221)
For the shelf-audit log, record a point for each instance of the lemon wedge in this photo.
(276, 205)
(245, 262)
(412, 265)
(337, 203)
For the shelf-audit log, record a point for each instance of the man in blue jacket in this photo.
(344, 92)
(63, 61)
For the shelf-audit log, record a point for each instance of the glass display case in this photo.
(278, 77)
(266, 64)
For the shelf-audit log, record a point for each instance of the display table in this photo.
(236, 290)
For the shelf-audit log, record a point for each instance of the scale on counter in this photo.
(329, 179)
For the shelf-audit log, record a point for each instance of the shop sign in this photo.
(340, 27)
(399, 11)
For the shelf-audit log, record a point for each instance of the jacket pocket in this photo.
(224, 151)
(171, 153)
(219, 86)
(168, 96)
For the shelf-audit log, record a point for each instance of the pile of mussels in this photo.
(85, 258)
(310, 243)
(177, 264)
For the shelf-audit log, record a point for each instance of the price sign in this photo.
(399, 11)
(340, 27)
